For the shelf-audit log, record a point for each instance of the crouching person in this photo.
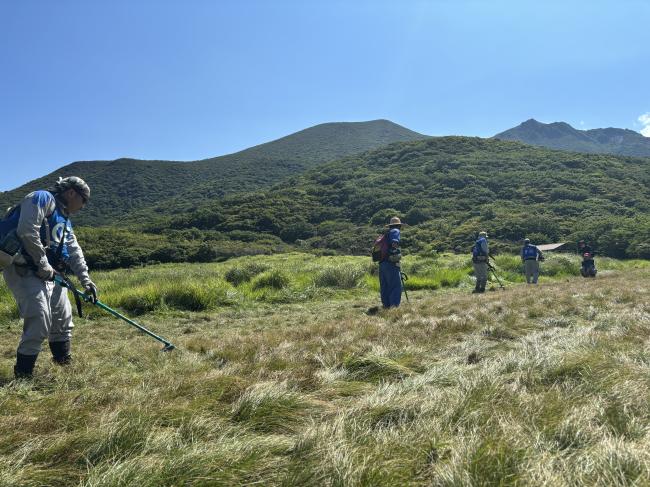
(43, 232)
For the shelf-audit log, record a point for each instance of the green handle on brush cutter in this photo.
(67, 284)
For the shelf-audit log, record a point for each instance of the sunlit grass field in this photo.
(281, 377)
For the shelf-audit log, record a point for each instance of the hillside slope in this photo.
(560, 135)
(126, 185)
(447, 188)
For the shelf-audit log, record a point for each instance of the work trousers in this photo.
(531, 268)
(390, 284)
(44, 308)
(481, 273)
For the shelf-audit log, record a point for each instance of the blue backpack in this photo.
(530, 252)
(477, 250)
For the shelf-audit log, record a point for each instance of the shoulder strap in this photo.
(59, 249)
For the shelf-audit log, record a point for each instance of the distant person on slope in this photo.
(42, 230)
(531, 257)
(387, 252)
(480, 253)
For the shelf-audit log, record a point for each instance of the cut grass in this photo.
(312, 391)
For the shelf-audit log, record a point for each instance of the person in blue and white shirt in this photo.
(42, 229)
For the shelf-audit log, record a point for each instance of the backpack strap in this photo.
(59, 249)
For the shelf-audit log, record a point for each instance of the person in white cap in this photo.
(43, 232)
(531, 257)
(390, 282)
(480, 253)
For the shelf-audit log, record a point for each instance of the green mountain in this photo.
(562, 136)
(446, 189)
(124, 186)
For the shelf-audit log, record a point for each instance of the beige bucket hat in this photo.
(395, 222)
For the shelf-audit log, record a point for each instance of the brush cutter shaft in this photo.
(491, 267)
(403, 277)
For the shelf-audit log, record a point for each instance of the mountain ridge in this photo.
(562, 136)
(124, 185)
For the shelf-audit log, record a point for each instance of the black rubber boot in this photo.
(61, 352)
(24, 368)
(477, 288)
(480, 286)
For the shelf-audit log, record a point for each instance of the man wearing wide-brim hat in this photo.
(390, 283)
(480, 253)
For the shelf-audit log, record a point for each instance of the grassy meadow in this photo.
(281, 377)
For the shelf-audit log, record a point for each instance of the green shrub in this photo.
(450, 277)
(417, 282)
(509, 263)
(238, 275)
(180, 294)
(190, 297)
(340, 276)
(560, 265)
(140, 300)
(275, 279)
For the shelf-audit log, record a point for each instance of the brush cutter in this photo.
(494, 273)
(403, 277)
(65, 282)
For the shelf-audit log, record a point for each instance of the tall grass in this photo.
(183, 295)
(292, 278)
(243, 273)
(533, 386)
(276, 279)
(340, 276)
(8, 308)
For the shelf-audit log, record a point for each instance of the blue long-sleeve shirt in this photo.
(393, 243)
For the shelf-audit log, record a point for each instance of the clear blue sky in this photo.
(191, 79)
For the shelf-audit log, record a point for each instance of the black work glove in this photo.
(91, 291)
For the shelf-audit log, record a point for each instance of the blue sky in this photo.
(191, 79)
